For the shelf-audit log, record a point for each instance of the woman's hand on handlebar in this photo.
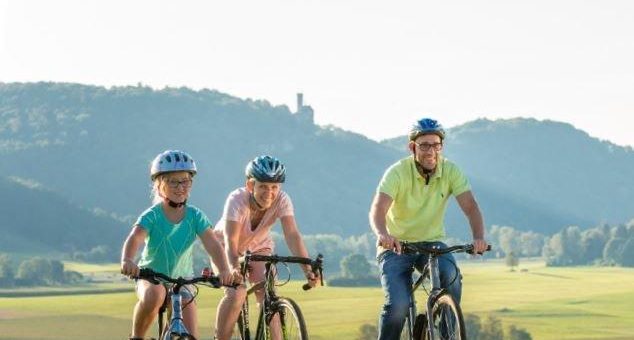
(230, 278)
(312, 278)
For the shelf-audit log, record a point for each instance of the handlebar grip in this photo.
(318, 270)
(472, 252)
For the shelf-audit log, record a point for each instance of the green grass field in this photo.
(551, 303)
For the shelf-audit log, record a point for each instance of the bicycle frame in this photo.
(431, 270)
(267, 308)
(176, 324)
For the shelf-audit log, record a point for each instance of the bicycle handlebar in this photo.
(316, 264)
(154, 277)
(411, 248)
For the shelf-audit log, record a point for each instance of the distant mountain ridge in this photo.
(92, 146)
(551, 172)
(38, 220)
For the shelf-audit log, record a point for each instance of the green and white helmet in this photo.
(171, 161)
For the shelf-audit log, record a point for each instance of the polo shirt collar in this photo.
(437, 173)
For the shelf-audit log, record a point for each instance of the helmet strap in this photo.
(174, 204)
(426, 173)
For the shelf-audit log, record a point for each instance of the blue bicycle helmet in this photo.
(266, 169)
(425, 126)
(171, 161)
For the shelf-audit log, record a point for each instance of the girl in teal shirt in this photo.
(168, 229)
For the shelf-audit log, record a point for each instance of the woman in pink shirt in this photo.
(249, 214)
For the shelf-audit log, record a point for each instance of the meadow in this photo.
(550, 303)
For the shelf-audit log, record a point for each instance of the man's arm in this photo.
(380, 205)
(470, 208)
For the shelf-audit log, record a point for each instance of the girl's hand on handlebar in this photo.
(129, 268)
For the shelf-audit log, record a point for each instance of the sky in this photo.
(371, 67)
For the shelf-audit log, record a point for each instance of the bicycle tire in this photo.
(447, 320)
(293, 326)
(182, 337)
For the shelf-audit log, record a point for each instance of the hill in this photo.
(92, 146)
(541, 175)
(36, 220)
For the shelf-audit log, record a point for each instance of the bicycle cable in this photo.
(288, 278)
(456, 271)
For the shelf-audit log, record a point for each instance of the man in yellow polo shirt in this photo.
(409, 205)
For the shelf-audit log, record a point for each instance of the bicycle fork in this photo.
(434, 277)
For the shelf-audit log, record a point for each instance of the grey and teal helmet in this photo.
(426, 126)
(171, 161)
(266, 169)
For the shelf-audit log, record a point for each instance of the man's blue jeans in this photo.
(396, 279)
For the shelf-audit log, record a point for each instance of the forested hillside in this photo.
(91, 147)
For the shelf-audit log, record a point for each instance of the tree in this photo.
(491, 329)
(592, 244)
(38, 271)
(531, 243)
(512, 260)
(613, 251)
(355, 266)
(7, 272)
(627, 253)
(472, 324)
(563, 249)
(368, 332)
(32, 272)
(515, 333)
(509, 239)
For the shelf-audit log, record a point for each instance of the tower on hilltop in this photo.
(304, 112)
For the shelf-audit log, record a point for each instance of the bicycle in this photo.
(443, 317)
(292, 324)
(175, 329)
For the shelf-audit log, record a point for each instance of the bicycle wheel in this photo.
(447, 320)
(182, 337)
(287, 321)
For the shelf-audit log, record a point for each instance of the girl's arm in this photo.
(132, 243)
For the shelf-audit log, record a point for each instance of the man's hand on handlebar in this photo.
(389, 242)
(480, 246)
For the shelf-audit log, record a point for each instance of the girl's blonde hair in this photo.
(158, 185)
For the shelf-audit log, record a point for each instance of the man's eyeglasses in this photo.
(427, 146)
(187, 183)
